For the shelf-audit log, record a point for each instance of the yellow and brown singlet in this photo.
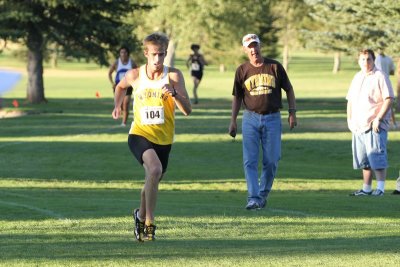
(154, 112)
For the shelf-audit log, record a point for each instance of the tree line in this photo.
(94, 30)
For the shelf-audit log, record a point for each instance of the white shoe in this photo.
(123, 125)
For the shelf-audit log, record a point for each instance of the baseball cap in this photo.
(250, 38)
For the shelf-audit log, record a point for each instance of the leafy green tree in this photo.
(81, 29)
(292, 15)
(347, 26)
(230, 20)
(217, 25)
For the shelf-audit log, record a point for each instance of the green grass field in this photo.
(68, 182)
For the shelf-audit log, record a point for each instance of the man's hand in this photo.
(292, 120)
(375, 125)
(116, 113)
(168, 89)
(233, 129)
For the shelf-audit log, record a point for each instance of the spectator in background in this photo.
(386, 65)
(258, 86)
(196, 63)
(398, 86)
(121, 66)
(369, 100)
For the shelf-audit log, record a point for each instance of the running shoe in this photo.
(139, 226)
(150, 232)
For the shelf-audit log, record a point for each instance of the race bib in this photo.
(195, 66)
(152, 115)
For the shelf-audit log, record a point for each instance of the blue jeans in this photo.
(265, 131)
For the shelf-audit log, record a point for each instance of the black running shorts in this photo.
(138, 145)
(197, 74)
(128, 90)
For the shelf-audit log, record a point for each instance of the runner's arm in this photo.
(120, 91)
(113, 67)
(181, 96)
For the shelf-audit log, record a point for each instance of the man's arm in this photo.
(387, 104)
(292, 108)
(236, 103)
(178, 91)
(348, 111)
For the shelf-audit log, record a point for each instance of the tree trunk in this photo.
(285, 59)
(35, 90)
(222, 67)
(336, 63)
(170, 58)
(54, 56)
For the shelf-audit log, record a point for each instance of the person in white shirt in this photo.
(369, 100)
(384, 63)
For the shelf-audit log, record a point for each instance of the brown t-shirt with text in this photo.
(260, 87)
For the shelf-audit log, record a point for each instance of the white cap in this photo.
(250, 38)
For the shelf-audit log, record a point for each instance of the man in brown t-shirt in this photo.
(258, 85)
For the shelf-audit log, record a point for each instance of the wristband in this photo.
(292, 110)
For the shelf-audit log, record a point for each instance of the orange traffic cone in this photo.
(15, 103)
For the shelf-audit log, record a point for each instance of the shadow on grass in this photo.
(108, 161)
(21, 203)
(64, 117)
(313, 229)
(110, 250)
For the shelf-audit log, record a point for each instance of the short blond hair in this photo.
(156, 38)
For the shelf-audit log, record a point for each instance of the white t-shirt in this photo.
(384, 63)
(366, 95)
